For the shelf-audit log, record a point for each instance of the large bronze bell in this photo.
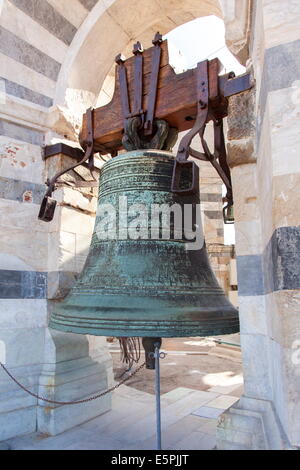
(148, 287)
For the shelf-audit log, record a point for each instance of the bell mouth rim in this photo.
(163, 330)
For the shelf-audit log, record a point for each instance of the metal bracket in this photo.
(120, 61)
(138, 81)
(48, 205)
(138, 85)
(144, 123)
(55, 149)
(184, 146)
(218, 158)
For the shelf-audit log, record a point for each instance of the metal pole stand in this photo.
(153, 355)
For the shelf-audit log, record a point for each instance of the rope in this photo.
(130, 350)
(86, 400)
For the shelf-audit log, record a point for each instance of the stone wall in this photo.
(53, 61)
(263, 147)
(39, 263)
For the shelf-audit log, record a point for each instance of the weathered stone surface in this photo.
(281, 260)
(30, 345)
(245, 192)
(16, 423)
(22, 284)
(74, 15)
(28, 55)
(71, 218)
(19, 73)
(250, 275)
(59, 284)
(280, 71)
(15, 190)
(237, 21)
(18, 244)
(29, 313)
(281, 23)
(277, 268)
(25, 93)
(72, 371)
(89, 4)
(284, 108)
(86, 202)
(241, 115)
(18, 132)
(251, 424)
(253, 318)
(248, 237)
(26, 28)
(64, 122)
(257, 373)
(240, 152)
(48, 17)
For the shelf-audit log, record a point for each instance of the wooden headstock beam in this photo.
(176, 99)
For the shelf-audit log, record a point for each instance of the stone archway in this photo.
(92, 51)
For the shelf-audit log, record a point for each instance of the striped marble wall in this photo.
(263, 147)
(34, 40)
(36, 259)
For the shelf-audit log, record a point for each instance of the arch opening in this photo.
(111, 28)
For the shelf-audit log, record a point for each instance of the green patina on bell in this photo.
(144, 287)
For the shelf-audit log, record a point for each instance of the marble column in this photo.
(263, 152)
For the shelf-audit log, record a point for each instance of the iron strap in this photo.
(138, 84)
(138, 79)
(202, 114)
(120, 60)
(148, 127)
(220, 152)
(184, 146)
(218, 158)
(88, 156)
(77, 402)
(48, 204)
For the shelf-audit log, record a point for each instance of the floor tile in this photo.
(208, 412)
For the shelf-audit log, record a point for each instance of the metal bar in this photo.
(48, 204)
(202, 97)
(138, 78)
(148, 127)
(184, 145)
(218, 341)
(56, 149)
(233, 86)
(221, 154)
(120, 60)
(157, 395)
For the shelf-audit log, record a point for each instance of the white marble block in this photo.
(73, 370)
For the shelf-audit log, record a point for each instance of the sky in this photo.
(200, 39)
(204, 38)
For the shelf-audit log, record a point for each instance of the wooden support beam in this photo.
(176, 98)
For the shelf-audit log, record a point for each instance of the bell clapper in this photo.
(153, 355)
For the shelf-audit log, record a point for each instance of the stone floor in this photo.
(212, 381)
(189, 419)
(197, 363)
